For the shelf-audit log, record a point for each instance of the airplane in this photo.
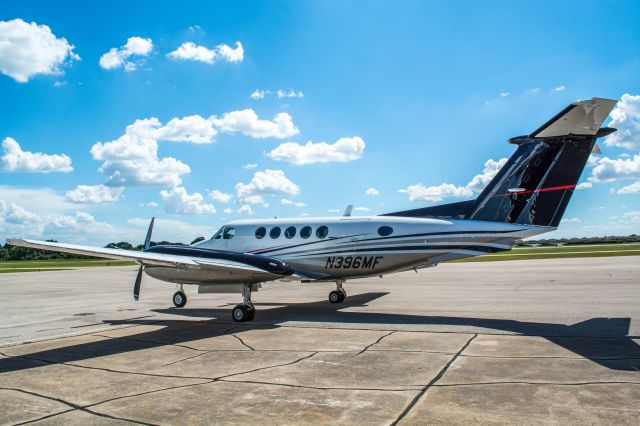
(527, 197)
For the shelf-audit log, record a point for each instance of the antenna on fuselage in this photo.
(347, 211)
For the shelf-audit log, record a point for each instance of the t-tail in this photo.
(535, 185)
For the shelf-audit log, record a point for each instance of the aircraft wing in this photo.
(150, 258)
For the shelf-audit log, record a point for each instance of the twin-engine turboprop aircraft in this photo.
(527, 197)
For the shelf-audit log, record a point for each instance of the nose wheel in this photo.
(246, 311)
(338, 295)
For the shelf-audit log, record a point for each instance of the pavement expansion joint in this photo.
(424, 390)
(71, 405)
(243, 342)
(323, 388)
(375, 343)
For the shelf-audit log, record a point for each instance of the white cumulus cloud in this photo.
(94, 194)
(178, 201)
(343, 150)
(189, 51)
(194, 129)
(259, 94)
(626, 118)
(132, 159)
(28, 49)
(281, 93)
(420, 192)
(119, 57)
(558, 88)
(608, 170)
(14, 159)
(287, 202)
(245, 209)
(267, 182)
(250, 166)
(634, 188)
(248, 123)
(219, 196)
(372, 191)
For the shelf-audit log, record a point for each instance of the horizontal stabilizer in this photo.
(579, 118)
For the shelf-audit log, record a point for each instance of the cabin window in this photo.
(322, 232)
(305, 232)
(229, 233)
(385, 231)
(261, 232)
(275, 232)
(290, 232)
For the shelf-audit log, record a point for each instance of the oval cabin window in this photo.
(261, 232)
(322, 232)
(290, 232)
(305, 232)
(275, 232)
(385, 231)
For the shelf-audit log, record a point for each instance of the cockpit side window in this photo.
(229, 233)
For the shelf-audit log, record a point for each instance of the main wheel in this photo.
(240, 313)
(335, 297)
(252, 314)
(343, 295)
(179, 299)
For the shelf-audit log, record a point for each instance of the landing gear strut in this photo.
(338, 295)
(179, 298)
(246, 311)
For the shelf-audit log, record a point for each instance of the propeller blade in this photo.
(136, 286)
(147, 241)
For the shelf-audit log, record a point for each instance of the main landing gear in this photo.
(338, 295)
(246, 311)
(179, 298)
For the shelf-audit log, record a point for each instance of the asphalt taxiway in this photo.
(532, 341)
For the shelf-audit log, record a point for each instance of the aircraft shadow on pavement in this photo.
(602, 340)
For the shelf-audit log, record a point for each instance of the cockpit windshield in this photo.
(226, 232)
(218, 234)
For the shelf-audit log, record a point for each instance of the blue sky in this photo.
(406, 96)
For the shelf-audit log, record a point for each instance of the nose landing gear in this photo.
(338, 295)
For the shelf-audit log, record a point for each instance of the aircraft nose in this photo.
(287, 269)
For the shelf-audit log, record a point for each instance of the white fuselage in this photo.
(355, 247)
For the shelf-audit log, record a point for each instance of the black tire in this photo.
(252, 314)
(240, 313)
(179, 299)
(335, 297)
(343, 293)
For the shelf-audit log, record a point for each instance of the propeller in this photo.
(138, 282)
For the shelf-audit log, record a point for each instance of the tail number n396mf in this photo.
(355, 262)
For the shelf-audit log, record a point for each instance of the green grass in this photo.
(523, 253)
(9, 271)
